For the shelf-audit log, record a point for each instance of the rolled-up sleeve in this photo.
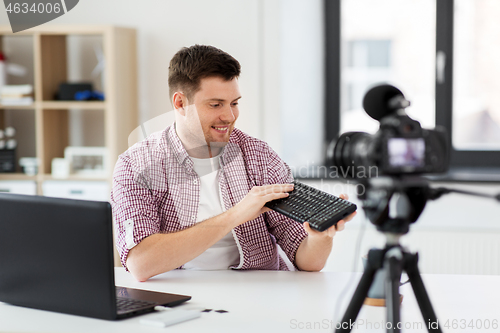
(135, 212)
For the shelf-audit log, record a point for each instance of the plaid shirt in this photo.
(156, 190)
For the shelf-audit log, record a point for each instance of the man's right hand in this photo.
(253, 203)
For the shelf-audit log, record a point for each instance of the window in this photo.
(476, 75)
(368, 61)
(442, 54)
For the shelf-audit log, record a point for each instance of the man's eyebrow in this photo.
(220, 99)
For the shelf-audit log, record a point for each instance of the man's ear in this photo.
(179, 102)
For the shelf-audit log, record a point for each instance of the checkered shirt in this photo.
(155, 186)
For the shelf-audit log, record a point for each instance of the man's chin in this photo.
(217, 144)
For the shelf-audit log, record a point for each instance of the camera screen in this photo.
(406, 152)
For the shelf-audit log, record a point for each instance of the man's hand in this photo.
(315, 249)
(253, 203)
(330, 232)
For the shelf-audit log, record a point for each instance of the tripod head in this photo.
(393, 203)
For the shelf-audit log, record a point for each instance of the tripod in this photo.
(395, 260)
(392, 204)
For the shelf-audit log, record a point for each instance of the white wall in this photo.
(302, 81)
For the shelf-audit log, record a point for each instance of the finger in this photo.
(344, 196)
(340, 225)
(331, 231)
(307, 227)
(266, 189)
(261, 190)
(350, 217)
(277, 188)
(274, 196)
(312, 231)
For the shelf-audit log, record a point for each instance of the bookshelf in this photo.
(51, 117)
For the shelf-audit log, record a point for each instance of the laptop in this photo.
(57, 255)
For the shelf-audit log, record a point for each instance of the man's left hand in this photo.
(330, 232)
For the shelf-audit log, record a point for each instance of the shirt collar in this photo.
(176, 144)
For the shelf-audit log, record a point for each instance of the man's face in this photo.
(210, 118)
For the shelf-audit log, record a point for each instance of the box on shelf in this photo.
(87, 161)
(7, 160)
(29, 165)
(61, 167)
(21, 94)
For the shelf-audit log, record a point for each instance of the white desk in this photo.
(267, 301)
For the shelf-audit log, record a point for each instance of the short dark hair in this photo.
(191, 64)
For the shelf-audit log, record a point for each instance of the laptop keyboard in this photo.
(128, 304)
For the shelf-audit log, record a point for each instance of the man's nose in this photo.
(227, 114)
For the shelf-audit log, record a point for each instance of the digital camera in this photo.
(401, 146)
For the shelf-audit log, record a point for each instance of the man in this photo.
(192, 196)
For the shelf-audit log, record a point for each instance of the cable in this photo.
(354, 267)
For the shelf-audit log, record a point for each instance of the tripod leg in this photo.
(361, 292)
(394, 268)
(411, 268)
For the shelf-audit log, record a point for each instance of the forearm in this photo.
(161, 253)
(312, 255)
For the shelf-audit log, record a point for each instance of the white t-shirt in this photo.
(225, 252)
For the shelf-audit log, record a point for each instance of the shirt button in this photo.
(195, 182)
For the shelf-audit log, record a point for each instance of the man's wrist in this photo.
(319, 240)
(233, 216)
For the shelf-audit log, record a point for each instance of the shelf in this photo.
(18, 107)
(16, 176)
(61, 105)
(75, 177)
(61, 30)
(55, 54)
(58, 105)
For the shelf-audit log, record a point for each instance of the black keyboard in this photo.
(308, 204)
(128, 304)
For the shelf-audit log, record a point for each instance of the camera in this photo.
(400, 147)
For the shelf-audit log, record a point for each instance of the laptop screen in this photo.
(57, 254)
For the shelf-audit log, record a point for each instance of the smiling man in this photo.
(192, 196)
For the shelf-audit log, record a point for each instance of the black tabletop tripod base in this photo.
(396, 260)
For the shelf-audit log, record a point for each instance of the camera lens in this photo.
(350, 153)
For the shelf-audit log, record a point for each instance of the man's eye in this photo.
(215, 105)
(235, 104)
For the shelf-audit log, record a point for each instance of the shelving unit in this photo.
(50, 67)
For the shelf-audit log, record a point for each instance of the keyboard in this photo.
(128, 304)
(308, 204)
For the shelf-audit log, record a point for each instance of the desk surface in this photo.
(269, 301)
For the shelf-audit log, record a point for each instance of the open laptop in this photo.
(57, 255)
